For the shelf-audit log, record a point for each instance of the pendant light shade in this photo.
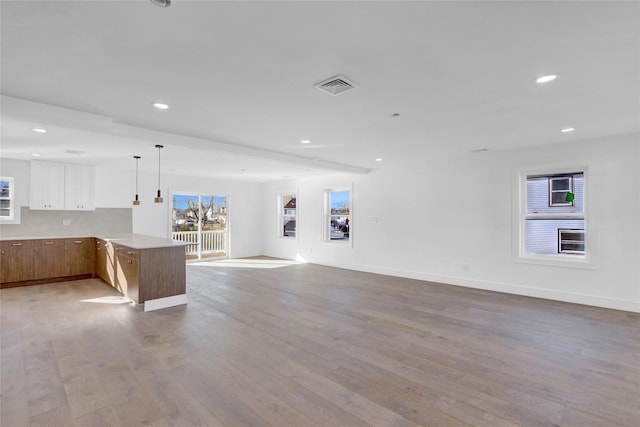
(136, 202)
(158, 199)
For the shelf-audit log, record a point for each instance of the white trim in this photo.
(199, 195)
(550, 294)
(12, 200)
(159, 303)
(519, 208)
(280, 215)
(324, 236)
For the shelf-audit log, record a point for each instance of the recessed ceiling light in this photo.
(36, 155)
(305, 141)
(546, 79)
(161, 106)
(379, 159)
(567, 130)
(39, 130)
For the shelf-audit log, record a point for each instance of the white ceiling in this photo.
(239, 77)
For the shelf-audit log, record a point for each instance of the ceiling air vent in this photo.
(335, 85)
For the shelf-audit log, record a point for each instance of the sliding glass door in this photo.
(201, 221)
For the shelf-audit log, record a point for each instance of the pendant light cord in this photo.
(158, 199)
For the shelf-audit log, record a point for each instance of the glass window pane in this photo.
(572, 236)
(214, 212)
(287, 204)
(340, 202)
(572, 247)
(185, 213)
(541, 236)
(288, 226)
(561, 184)
(559, 197)
(338, 216)
(5, 188)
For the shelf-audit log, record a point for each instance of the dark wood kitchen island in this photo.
(148, 270)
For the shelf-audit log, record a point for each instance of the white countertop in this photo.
(140, 241)
(134, 241)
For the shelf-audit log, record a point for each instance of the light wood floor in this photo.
(305, 345)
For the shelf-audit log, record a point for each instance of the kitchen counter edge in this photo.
(133, 241)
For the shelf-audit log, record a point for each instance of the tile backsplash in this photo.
(36, 223)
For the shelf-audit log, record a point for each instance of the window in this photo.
(287, 217)
(7, 198)
(552, 223)
(570, 241)
(201, 221)
(561, 191)
(337, 215)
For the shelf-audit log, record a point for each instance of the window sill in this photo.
(559, 260)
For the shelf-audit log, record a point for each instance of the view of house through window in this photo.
(288, 215)
(554, 221)
(338, 223)
(6, 198)
(202, 221)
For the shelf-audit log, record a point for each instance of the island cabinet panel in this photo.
(162, 273)
(79, 257)
(105, 261)
(150, 273)
(16, 261)
(48, 258)
(128, 272)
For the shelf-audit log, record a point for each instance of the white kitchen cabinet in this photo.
(79, 188)
(60, 186)
(47, 186)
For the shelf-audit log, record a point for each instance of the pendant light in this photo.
(158, 199)
(136, 202)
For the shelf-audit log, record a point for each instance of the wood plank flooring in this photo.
(306, 345)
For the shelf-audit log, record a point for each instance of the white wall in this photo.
(435, 218)
(116, 189)
(243, 203)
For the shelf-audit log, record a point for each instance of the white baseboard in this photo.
(576, 298)
(157, 304)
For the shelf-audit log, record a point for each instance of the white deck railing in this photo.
(213, 241)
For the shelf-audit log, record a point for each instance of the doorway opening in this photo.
(201, 221)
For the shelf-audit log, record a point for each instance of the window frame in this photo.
(551, 180)
(11, 198)
(562, 231)
(281, 215)
(326, 215)
(587, 260)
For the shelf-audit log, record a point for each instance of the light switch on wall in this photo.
(66, 222)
